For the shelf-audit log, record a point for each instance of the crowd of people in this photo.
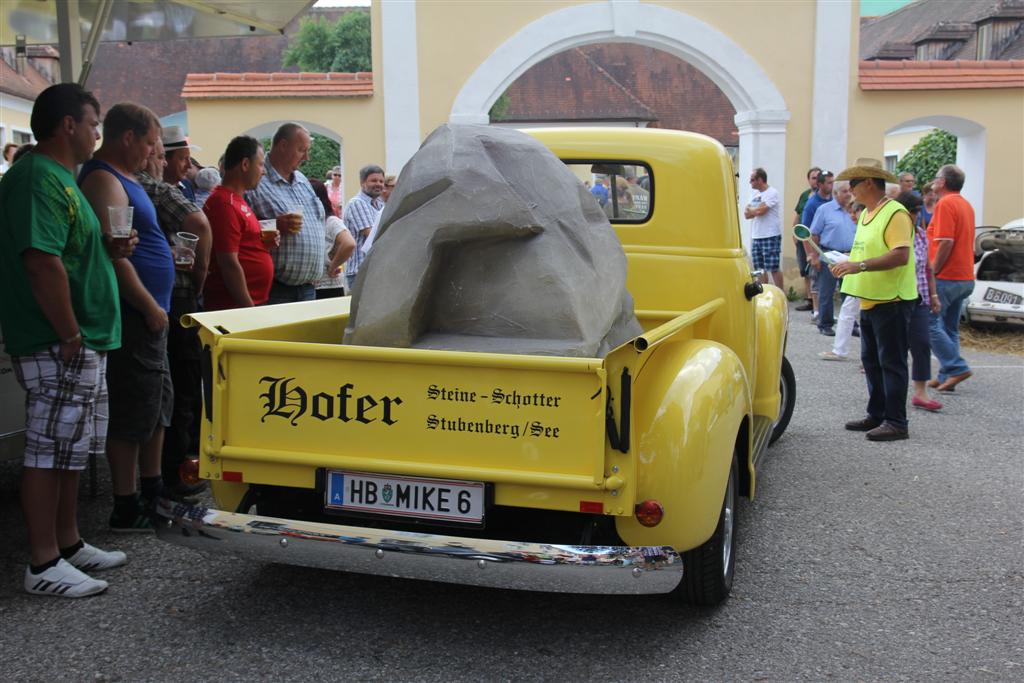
(901, 257)
(101, 267)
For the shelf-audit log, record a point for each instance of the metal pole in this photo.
(69, 37)
(95, 33)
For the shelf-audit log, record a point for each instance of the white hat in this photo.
(174, 138)
(208, 178)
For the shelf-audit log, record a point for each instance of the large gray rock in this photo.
(489, 243)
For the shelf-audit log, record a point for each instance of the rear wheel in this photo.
(787, 387)
(708, 569)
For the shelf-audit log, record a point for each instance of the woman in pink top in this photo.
(334, 190)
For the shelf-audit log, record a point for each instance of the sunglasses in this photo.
(854, 182)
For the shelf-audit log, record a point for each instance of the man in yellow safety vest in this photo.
(880, 272)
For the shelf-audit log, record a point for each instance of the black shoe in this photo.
(887, 432)
(805, 306)
(827, 331)
(864, 425)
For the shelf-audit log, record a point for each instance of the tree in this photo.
(322, 45)
(499, 110)
(324, 154)
(929, 154)
(352, 43)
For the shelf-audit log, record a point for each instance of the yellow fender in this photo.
(772, 318)
(690, 400)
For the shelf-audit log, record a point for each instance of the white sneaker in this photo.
(90, 558)
(832, 355)
(63, 581)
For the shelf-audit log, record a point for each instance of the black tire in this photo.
(708, 569)
(787, 385)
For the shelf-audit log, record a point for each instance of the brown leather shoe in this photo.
(887, 432)
(934, 383)
(865, 425)
(953, 380)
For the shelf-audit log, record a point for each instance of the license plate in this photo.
(419, 497)
(998, 296)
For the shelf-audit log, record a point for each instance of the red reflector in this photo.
(591, 507)
(231, 476)
(188, 471)
(649, 513)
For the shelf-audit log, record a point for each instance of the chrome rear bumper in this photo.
(450, 559)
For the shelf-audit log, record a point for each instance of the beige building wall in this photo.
(15, 115)
(999, 111)
(357, 123)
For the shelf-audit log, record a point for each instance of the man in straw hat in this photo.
(880, 272)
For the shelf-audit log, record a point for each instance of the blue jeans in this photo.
(884, 333)
(826, 297)
(920, 348)
(944, 328)
(281, 293)
(350, 282)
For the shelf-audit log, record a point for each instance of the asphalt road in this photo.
(856, 562)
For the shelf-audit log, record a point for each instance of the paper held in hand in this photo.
(834, 257)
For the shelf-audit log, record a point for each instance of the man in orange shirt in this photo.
(951, 252)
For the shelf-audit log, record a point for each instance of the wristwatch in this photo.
(71, 340)
(863, 266)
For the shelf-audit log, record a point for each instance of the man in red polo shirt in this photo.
(241, 271)
(951, 252)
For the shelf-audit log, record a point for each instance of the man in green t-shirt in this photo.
(60, 316)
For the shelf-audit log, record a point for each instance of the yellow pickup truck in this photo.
(589, 475)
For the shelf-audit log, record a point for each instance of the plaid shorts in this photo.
(765, 252)
(66, 407)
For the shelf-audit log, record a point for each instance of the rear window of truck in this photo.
(624, 190)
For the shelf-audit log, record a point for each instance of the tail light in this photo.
(188, 471)
(649, 513)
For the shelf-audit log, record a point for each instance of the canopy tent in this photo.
(72, 24)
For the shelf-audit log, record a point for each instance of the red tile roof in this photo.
(277, 84)
(941, 75)
(27, 86)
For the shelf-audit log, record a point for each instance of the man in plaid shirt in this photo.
(176, 213)
(361, 215)
(285, 194)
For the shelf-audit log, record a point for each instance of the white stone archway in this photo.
(761, 113)
(971, 153)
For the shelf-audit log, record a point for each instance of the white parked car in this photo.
(999, 288)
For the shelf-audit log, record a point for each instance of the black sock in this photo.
(151, 486)
(40, 568)
(69, 552)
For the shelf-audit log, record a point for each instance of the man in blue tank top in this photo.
(138, 377)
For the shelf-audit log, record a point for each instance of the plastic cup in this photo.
(268, 231)
(185, 248)
(121, 221)
(297, 224)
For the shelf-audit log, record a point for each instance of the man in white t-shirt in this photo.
(765, 218)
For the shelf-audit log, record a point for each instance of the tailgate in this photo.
(283, 409)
